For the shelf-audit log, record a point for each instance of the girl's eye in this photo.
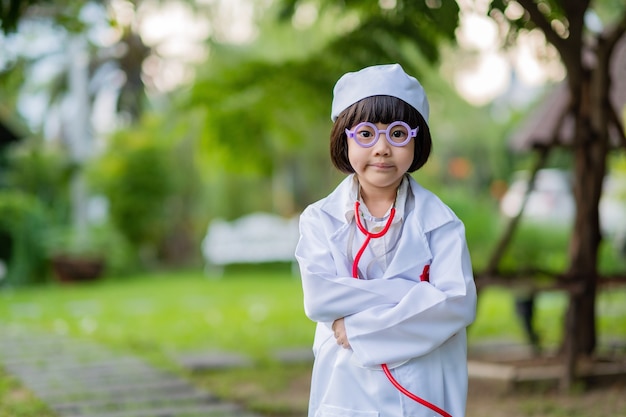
(399, 134)
(365, 134)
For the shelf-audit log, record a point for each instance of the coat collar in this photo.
(433, 212)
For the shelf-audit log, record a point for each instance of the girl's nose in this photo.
(382, 146)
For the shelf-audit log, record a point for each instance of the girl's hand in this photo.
(339, 329)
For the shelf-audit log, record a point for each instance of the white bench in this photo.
(254, 238)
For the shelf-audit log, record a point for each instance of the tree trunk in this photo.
(583, 251)
(591, 148)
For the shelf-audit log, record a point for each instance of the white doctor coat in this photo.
(417, 328)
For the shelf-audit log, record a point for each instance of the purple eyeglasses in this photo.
(366, 134)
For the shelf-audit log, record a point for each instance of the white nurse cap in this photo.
(378, 80)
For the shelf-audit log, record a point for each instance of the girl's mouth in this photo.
(381, 165)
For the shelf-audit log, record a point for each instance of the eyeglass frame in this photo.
(412, 133)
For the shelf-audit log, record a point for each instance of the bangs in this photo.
(384, 109)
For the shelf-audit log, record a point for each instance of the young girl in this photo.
(407, 311)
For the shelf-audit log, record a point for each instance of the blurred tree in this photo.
(22, 218)
(81, 69)
(14, 11)
(138, 204)
(365, 32)
(111, 61)
(149, 178)
(586, 38)
(293, 64)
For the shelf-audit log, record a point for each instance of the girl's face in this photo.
(382, 166)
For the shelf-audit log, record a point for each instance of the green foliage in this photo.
(265, 105)
(39, 176)
(379, 31)
(258, 111)
(612, 257)
(534, 246)
(148, 176)
(617, 163)
(64, 13)
(42, 171)
(102, 242)
(135, 175)
(477, 214)
(537, 246)
(461, 131)
(22, 224)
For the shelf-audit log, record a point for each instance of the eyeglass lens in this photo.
(397, 133)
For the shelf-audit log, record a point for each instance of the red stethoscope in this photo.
(424, 277)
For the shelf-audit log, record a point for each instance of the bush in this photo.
(23, 221)
(97, 242)
(477, 213)
(44, 172)
(150, 182)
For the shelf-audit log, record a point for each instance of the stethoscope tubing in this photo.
(355, 274)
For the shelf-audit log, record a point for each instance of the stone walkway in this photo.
(79, 379)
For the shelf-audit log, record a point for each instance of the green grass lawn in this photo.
(250, 311)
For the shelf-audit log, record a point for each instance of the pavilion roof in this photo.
(540, 127)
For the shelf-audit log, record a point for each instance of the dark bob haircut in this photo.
(378, 109)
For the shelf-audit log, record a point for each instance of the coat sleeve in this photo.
(428, 314)
(330, 294)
